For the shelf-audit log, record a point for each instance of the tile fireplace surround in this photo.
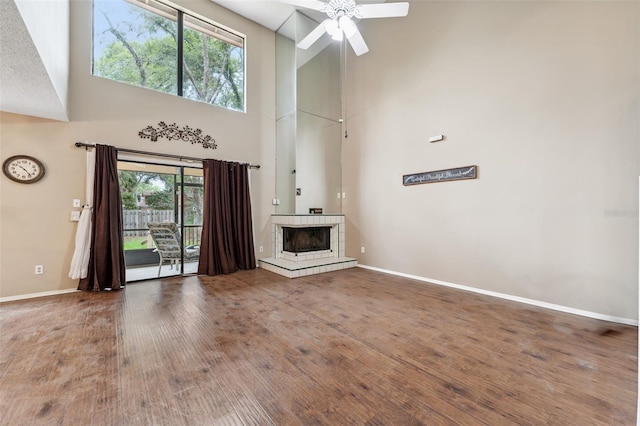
(294, 265)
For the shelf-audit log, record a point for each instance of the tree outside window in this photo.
(138, 43)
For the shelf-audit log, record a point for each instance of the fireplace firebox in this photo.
(315, 252)
(303, 240)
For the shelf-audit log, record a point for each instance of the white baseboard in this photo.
(510, 297)
(34, 295)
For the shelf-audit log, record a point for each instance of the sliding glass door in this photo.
(167, 195)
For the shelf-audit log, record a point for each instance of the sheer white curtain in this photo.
(80, 261)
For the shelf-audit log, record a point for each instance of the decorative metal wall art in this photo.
(172, 132)
(460, 173)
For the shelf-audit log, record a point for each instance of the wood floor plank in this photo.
(352, 347)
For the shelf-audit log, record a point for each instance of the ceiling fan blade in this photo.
(314, 35)
(309, 4)
(357, 42)
(382, 10)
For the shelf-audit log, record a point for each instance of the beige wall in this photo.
(35, 226)
(544, 98)
(318, 133)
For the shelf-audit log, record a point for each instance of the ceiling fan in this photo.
(340, 22)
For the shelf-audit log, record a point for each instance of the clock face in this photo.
(23, 169)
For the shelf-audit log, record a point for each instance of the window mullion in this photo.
(180, 50)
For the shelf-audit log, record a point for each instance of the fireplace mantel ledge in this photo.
(309, 214)
(307, 219)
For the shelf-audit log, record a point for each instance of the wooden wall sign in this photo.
(460, 173)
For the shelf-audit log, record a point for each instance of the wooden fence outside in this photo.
(135, 224)
(135, 221)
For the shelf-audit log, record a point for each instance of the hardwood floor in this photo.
(352, 347)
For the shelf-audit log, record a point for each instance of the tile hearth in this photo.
(294, 265)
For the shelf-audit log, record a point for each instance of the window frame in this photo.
(184, 19)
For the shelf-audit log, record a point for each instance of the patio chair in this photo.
(168, 241)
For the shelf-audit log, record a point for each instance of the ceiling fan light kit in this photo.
(347, 25)
(340, 22)
(333, 29)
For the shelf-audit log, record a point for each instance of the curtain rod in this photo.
(135, 151)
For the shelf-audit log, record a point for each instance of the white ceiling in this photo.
(25, 85)
(268, 13)
(272, 13)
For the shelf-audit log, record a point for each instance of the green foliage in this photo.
(128, 201)
(161, 200)
(157, 69)
(192, 199)
(128, 180)
(213, 71)
(157, 187)
(136, 243)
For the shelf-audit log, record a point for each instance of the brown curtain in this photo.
(106, 260)
(227, 228)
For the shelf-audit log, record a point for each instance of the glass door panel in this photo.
(164, 194)
(190, 192)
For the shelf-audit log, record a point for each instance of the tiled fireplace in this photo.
(306, 245)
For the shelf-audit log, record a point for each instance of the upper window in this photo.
(160, 47)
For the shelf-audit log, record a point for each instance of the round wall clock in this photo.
(23, 169)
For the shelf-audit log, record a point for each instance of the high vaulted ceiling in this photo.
(272, 13)
(30, 85)
(268, 13)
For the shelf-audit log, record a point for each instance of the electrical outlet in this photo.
(261, 249)
(76, 202)
(39, 270)
(362, 249)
